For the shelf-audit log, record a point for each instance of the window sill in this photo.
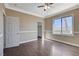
(63, 34)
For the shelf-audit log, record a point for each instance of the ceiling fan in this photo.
(45, 6)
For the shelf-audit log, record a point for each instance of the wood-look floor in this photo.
(39, 48)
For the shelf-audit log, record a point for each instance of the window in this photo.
(57, 26)
(63, 25)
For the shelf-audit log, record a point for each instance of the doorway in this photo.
(39, 30)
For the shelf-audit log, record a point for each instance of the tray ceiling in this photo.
(31, 8)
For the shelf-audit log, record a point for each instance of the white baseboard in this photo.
(67, 43)
(27, 41)
(9, 46)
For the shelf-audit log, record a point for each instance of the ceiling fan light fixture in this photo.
(46, 7)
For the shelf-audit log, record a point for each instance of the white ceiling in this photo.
(31, 8)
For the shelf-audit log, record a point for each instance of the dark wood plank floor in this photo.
(39, 48)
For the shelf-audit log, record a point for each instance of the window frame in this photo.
(61, 25)
(52, 27)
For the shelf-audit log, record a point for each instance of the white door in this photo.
(11, 31)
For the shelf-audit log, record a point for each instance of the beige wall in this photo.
(27, 23)
(68, 39)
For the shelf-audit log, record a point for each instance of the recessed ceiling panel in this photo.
(32, 8)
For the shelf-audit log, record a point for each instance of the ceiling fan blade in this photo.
(40, 6)
(50, 3)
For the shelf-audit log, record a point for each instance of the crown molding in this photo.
(65, 10)
(34, 14)
(23, 11)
